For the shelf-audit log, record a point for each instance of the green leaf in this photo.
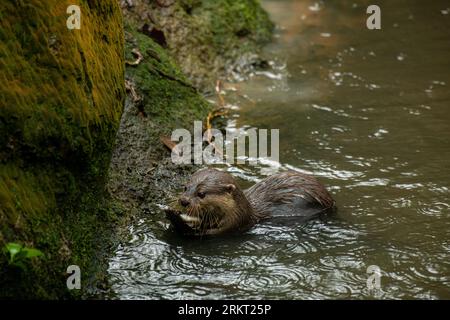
(30, 252)
(17, 254)
(13, 249)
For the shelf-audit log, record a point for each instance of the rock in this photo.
(60, 110)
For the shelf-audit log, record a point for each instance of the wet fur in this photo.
(226, 208)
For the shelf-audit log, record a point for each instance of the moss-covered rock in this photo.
(61, 99)
(209, 39)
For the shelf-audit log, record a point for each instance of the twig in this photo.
(129, 86)
(139, 58)
(220, 111)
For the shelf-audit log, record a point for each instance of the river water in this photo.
(367, 112)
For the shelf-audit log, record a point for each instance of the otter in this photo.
(213, 204)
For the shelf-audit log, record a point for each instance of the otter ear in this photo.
(230, 187)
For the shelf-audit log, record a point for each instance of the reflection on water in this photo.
(365, 111)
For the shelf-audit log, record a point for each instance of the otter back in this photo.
(289, 194)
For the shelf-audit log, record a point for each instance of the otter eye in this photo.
(201, 194)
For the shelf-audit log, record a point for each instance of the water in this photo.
(368, 113)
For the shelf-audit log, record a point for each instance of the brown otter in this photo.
(212, 203)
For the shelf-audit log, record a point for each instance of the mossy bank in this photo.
(80, 151)
(61, 98)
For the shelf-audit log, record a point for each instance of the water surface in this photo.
(368, 112)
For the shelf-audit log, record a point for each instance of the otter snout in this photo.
(184, 201)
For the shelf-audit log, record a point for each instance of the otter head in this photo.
(211, 204)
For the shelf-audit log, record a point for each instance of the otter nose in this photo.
(184, 201)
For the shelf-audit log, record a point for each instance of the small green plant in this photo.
(19, 254)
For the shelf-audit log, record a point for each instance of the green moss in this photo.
(236, 24)
(168, 98)
(61, 106)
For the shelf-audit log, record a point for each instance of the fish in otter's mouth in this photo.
(182, 220)
(188, 223)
